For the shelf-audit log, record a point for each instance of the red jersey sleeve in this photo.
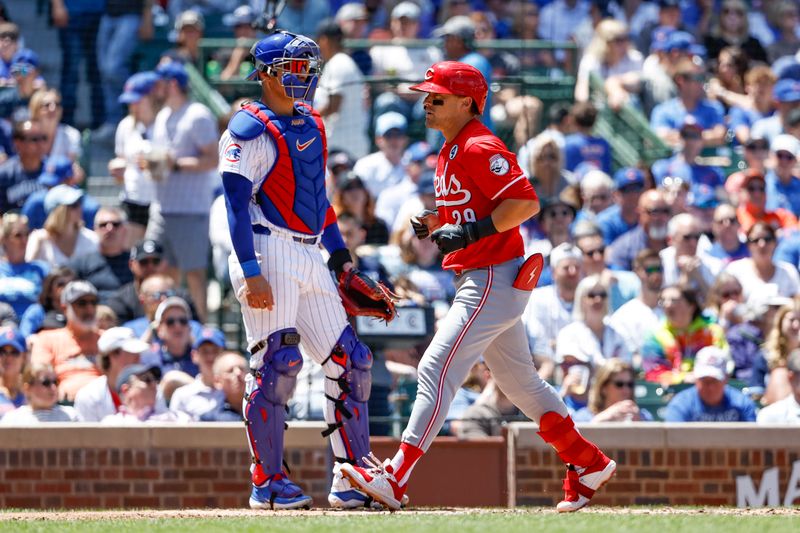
(495, 170)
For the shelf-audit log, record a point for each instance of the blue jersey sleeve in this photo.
(237, 190)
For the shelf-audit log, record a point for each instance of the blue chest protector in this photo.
(292, 194)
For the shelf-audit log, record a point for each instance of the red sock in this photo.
(560, 433)
(403, 462)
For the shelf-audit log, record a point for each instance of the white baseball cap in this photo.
(120, 339)
(563, 251)
(711, 362)
(172, 301)
(786, 143)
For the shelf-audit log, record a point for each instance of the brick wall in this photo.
(695, 464)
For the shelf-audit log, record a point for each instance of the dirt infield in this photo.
(245, 513)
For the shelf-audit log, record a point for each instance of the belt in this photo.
(263, 230)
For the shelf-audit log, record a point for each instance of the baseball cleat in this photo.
(344, 496)
(581, 484)
(279, 493)
(377, 481)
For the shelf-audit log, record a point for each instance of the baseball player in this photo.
(272, 161)
(482, 197)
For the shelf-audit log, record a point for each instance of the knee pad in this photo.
(282, 361)
(347, 392)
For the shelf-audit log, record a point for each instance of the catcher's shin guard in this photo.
(278, 361)
(347, 386)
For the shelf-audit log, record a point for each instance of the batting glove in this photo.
(420, 228)
(451, 237)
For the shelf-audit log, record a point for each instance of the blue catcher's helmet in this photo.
(291, 57)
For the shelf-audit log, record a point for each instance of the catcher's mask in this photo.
(292, 58)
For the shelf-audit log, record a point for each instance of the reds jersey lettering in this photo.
(470, 182)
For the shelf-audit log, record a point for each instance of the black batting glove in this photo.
(420, 228)
(451, 237)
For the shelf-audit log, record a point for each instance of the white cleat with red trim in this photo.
(378, 481)
(581, 484)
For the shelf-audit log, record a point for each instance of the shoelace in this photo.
(374, 465)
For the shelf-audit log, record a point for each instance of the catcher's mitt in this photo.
(363, 296)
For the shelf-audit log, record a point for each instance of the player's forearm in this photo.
(237, 191)
(513, 212)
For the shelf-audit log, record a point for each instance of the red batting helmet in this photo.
(452, 77)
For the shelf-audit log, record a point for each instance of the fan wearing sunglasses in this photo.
(684, 261)
(753, 205)
(40, 385)
(783, 185)
(137, 387)
(18, 175)
(611, 396)
(171, 335)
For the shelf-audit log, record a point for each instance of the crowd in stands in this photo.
(679, 274)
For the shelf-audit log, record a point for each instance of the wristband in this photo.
(474, 231)
(338, 258)
(251, 268)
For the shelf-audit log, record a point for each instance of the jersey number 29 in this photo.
(469, 216)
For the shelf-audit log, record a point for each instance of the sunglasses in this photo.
(32, 138)
(18, 235)
(46, 382)
(727, 295)
(756, 188)
(85, 303)
(631, 188)
(113, 223)
(691, 237)
(599, 198)
(554, 213)
(21, 70)
(150, 261)
(597, 294)
(623, 384)
(11, 352)
(757, 146)
(147, 379)
(8, 36)
(693, 136)
(785, 156)
(548, 157)
(654, 269)
(597, 251)
(733, 12)
(728, 221)
(658, 211)
(160, 294)
(696, 77)
(767, 239)
(183, 321)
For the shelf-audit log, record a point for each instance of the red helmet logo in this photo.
(453, 77)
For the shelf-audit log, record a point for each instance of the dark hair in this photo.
(47, 286)
(793, 118)
(330, 28)
(691, 295)
(761, 225)
(585, 114)
(558, 112)
(645, 255)
(18, 129)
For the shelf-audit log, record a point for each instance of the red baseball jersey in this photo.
(474, 173)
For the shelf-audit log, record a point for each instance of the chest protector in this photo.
(292, 194)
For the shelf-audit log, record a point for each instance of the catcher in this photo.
(272, 161)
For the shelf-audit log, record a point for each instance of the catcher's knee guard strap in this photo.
(347, 388)
(269, 388)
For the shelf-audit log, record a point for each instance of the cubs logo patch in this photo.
(498, 164)
(233, 153)
(453, 152)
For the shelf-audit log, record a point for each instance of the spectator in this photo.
(9, 45)
(711, 399)
(108, 267)
(542, 160)
(121, 26)
(669, 351)
(725, 303)
(171, 337)
(397, 60)
(555, 218)
(419, 165)
(236, 60)
(651, 232)
(759, 82)
(189, 28)
(485, 417)
(172, 381)
(622, 286)
(756, 152)
(582, 146)
(641, 315)
(597, 190)
(106, 317)
(353, 19)
(15, 99)
(727, 84)
(782, 339)
(62, 139)
(354, 235)
(13, 360)
(422, 266)
(459, 45)
(728, 245)
(558, 19)
(78, 24)
(201, 398)
(669, 18)
(384, 168)
(683, 263)
(667, 118)
(787, 42)
(550, 308)
(146, 258)
(63, 235)
(339, 162)
(611, 396)
(731, 29)
(154, 289)
(184, 194)
(685, 165)
(72, 350)
(339, 98)
(18, 175)
(619, 66)
(787, 410)
(230, 368)
(48, 313)
(40, 384)
(783, 185)
(20, 281)
(351, 197)
(760, 273)
(132, 142)
(753, 203)
(746, 339)
(302, 16)
(118, 348)
(591, 338)
(787, 95)
(623, 216)
(58, 170)
(137, 386)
